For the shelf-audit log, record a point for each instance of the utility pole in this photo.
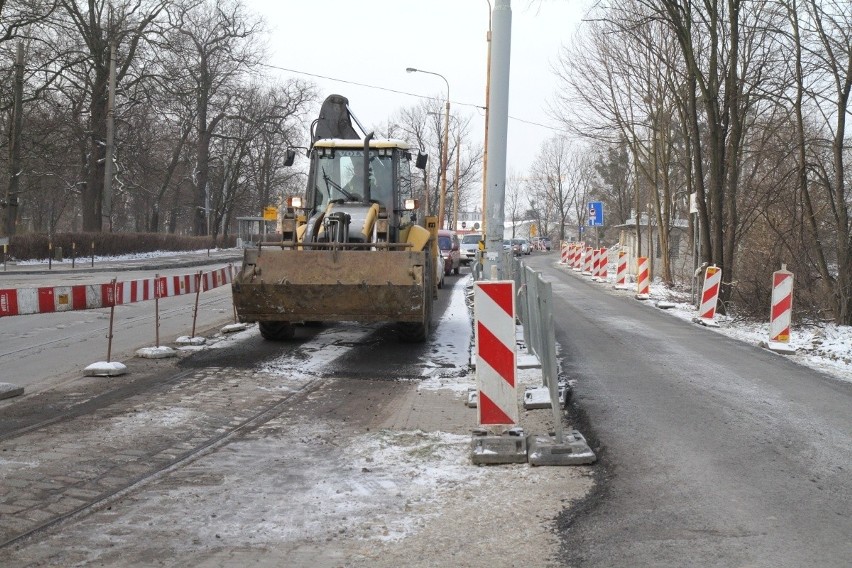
(498, 118)
(456, 187)
(487, 95)
(12, 190)
(106, 213)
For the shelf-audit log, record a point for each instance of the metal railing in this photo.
(534, 303)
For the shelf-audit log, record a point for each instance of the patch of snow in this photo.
(105, 369)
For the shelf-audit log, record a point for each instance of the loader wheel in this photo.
(276, 330)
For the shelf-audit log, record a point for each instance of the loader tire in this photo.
(276, 330)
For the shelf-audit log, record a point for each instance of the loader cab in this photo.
(337, 184)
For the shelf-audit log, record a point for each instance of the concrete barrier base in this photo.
(545, 450)
(510, 447)
(8, 390)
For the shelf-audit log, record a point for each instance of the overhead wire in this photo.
(398, 92)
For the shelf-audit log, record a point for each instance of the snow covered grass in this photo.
(81, 257)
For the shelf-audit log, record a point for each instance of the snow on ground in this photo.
(81, 257)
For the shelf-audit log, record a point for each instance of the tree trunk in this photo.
(93, 191)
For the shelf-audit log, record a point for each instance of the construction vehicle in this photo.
(354, 248)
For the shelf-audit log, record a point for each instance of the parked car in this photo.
(469, 247)
(440, 267)
(546, 242)
(518, 247)
(448, 243)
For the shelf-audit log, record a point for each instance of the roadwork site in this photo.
(233, 457)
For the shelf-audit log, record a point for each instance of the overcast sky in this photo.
(371, 42)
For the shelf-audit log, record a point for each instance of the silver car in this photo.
(469, 246)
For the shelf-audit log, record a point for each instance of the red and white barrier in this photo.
(621, 270)
(782, 309)
(709, 296)
(216, 278)
(588, 261)
(578, 256)
(27, 301)
(496, 359)
(643, 279)
(603, 260)
(564, 253)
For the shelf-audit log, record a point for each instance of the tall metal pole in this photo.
(487, 94)
(444, 159)
(456, 186)
(110, 141)
(498, 118)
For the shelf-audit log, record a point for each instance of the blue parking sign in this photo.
(596, 217)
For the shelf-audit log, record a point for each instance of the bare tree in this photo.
(214, 41)
(422, 126)
(99, 25)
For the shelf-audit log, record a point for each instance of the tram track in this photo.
(59, 462)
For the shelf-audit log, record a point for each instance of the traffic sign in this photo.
(270, 213)
(596, 215)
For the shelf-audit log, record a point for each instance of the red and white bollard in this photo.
(564, 253)
(603, 260)
(576, 262)
(709, 297)
(643, 279)
(496, 358)
(588, 261)
(621, 271)
(782, 311)
(596, 257)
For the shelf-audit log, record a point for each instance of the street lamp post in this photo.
(443, 196)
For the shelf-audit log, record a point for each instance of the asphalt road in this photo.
(714, 452)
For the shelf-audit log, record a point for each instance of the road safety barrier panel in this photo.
(596, 262)
(496, 357)
(710, 295)
(603, 260)
(782, 305)
(577, 263)
(50, 299)
(621, 269)
(564, 253)
(643, 278)
(588, 261)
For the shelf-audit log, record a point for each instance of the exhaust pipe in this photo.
(366, 193)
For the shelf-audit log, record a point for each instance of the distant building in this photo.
(679, 244)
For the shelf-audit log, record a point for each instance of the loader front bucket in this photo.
(333, 285)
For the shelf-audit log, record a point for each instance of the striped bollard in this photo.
(709, 297)
(643, 279)
(578, 256)
(602, 269)
(496, 359)
(596, 258)
(588, 261)
(621, 271)
(781, 312)
(564, 251)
